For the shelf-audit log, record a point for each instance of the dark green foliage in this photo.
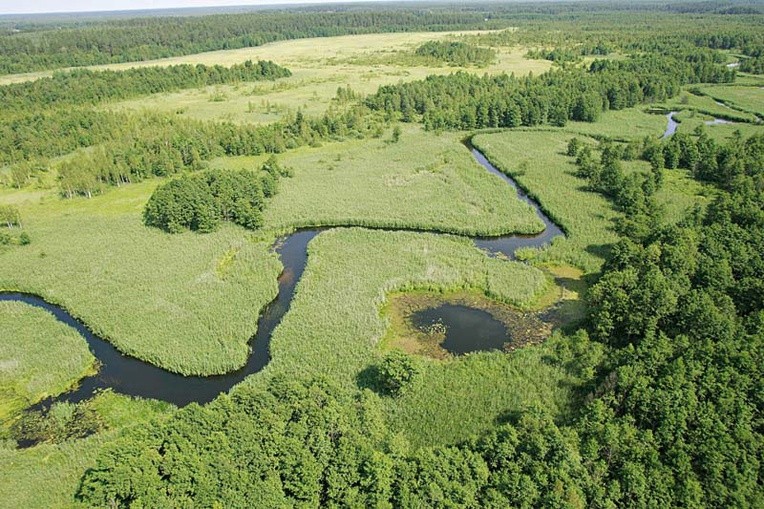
(466, 101)
(89, 87)
(64, 421)
(315, 445)
(456, 53)
(754, 65)
(301, 444)
(184, 203)
(677, 420)
(199, 202)
(396, 373)
(135, 147)
(396, 136)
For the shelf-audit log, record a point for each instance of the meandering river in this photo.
(134, 377)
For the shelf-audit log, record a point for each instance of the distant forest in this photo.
(27, 46)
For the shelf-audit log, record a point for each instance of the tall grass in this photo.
(39, 357)
(537, 161)
(159, 297)
(424, 181)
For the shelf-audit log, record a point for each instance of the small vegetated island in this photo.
(276, 258)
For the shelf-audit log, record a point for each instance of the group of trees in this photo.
(82, 86)
(10, 218)
(200, 201)
(458, 54)
(156, 145)
(466, 101)
(682, 306)
(313, 444)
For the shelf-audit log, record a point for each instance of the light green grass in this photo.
(749, 99)
(39, 357)
(319, 67)
(157, 296)
(688, 102)
(334, 324)
(690, 120)
(47, 475)
(537, 160)
(454, 400)
(628, 124)
(680, 193)
(424, 181)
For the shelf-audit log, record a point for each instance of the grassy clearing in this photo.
(319, 67)
(748, 99)
(628, 124)
(454, 400)
(424, 181)
(537, 160)
(40, 357)
(157, 296)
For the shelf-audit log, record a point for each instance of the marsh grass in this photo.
(182, 302)
(39, 357)
(537, 161)
(423, 181)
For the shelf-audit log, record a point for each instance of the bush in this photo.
(396, 373)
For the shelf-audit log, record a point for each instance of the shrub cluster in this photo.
(199, 202)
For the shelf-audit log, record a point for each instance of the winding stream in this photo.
(134, 377)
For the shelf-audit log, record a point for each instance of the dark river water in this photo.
(131, 376)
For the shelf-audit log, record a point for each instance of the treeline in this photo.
(754, 65)
(682, 307)
(465, 101)
(200, 201)
(456, 53)
(83, 86)
(128, 40)
(158, 146)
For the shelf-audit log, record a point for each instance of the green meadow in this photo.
(40, 357)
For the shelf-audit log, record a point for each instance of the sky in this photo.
(40, 6)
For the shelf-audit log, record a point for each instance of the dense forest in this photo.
(89, 87)
(466, 101)
(456, 53)
(200, 201)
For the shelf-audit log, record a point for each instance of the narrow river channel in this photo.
(134, 377)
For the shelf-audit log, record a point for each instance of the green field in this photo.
(40, 357)
(424, 181)
(334, 326)
(398, 205)
(154, 295)
(319, 67)
(537, 160)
